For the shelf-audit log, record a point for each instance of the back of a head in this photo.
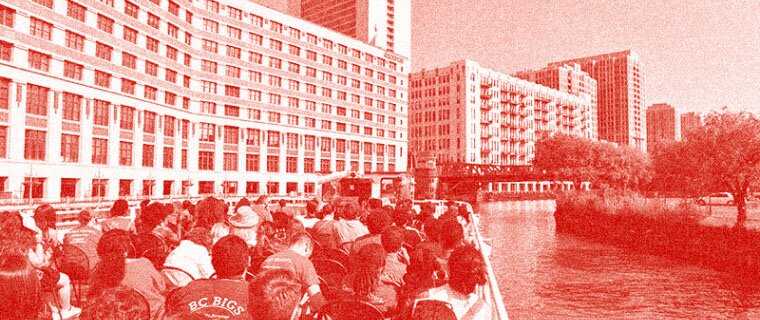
(378, 220)
(119, 303)
(120, 208)
(311, 208)
(451, 234)
(374, 203)
(113, 249)
(20, 290)
(402, 217)
(200, 236)
(84, 217)
(45, 217)
(349, 211)
(466, 269)
(432, 309)
(367, 264)
(152, 215)
(424, 269)
(229, 256)
(10, 222)
(392, 239)
(273, 295)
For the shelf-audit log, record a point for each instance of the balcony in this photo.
(485, 84)
(485, 106)
(485, 95)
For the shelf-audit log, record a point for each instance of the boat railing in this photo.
(491, 291)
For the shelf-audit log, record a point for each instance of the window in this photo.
(291, 164)
(230, 161)
(210, 26)
(170, 75)
(231, 135)
(207, 132)
(168, 158)
(34, 145)
(210, 46)
(273, 139)
(172, 30)
(6, 50)
(127, 86)
(130, 34)
(232, 91)
(103, 51)
(292, 119)
(212, 6)
(39, 61)
(205, 160)
(308, 165)
(311, 55)
(125, 153)
(131, 9)
(273, 164)
(208, 86)
(208, 66)
(74, 41)
(235, 33)
(71, 106)
(147, 155)
(294, 50)
(105, 24)
(251, 162)
(208, 107)
(6, 16)
(151, 68)
(100, 113)
(256, 57)
(70, 148)
(99, 151)
(151, 44)
(274, 117)
(275, 99)
(169, 126)
(324, 166)
(36, 100)
(99, 187)
(128, 60)
(40, 28)
(149, 92)
(183, 160)
(233, 52)
(253, 138)
(149, 125)
(127, 118)
(102, 79)
(189, 17)
(325, 144)
(170, 98)
(75, 10)
(173, 8)
(232, 111)
(5, 88)
(292, 142)
(154, 21)
(36, 190)
(232, 71)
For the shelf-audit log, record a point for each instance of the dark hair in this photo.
(210, 211)
(326, 209)
(367, 265)
(349, 211)
(432, 309)
(200, 236)
(273, 295)
(311, 208)
(229, 256)
(118, 303)
(150, 217)
(432, 228)
(425, 271)
(402, 217)
(120, 208)
(282, 203)
(374, 203)
(84, 217)
(378, 221)
(392, 239)
(45, 217)
(20, 288)
(113, 248)
(466, 269)
(451, 234)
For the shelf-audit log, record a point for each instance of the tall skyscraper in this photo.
(570, 79)
(690, 121)
(467, 113)
(126, 98)
(620, 97)
(383, 23)
(662, 125)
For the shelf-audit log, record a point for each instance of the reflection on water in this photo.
(548, 276)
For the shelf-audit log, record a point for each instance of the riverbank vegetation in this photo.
(632, 222)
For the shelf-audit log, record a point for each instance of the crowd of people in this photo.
(253, 260)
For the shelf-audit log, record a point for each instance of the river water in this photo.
(544, 275)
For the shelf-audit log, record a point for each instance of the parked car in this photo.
(716, 198)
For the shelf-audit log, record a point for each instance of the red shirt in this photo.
(301, 267)
(211, 299)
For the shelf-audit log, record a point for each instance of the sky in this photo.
(696, 55)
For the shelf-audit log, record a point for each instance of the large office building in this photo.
(383, 23)
(662, 125)
(621, 117)
(570, 79)
(118, 98)
(690, 121)
(464, 112)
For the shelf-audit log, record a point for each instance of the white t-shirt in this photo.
(190, 257)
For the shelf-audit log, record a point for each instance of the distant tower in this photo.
(662, 125)
(690, 121)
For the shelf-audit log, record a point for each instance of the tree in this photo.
(724, 153)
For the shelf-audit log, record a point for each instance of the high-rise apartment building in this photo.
(690, 121)
(468, 113)
(383, 23)
(119, 98)
(662, 125)
(620, 97)
(570, 79)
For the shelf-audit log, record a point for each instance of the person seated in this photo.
(324, 229)
(450, 237)
(192, 257)
(20, 288)
(396, 258)
(424, 272)
(85, 237)
(223, 297)
(119, 267)
(377, 222)
(275, 295)
(296, 260)
(119, 303)
(118, 217)
(403, 218)
(467, 271)
(364, 281)
(348, 227)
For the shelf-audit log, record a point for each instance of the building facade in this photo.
(467, 113)
(662, 125)
(386, 24)
(690, 121)
(621, 117)
(570, 79)
(117, 98)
